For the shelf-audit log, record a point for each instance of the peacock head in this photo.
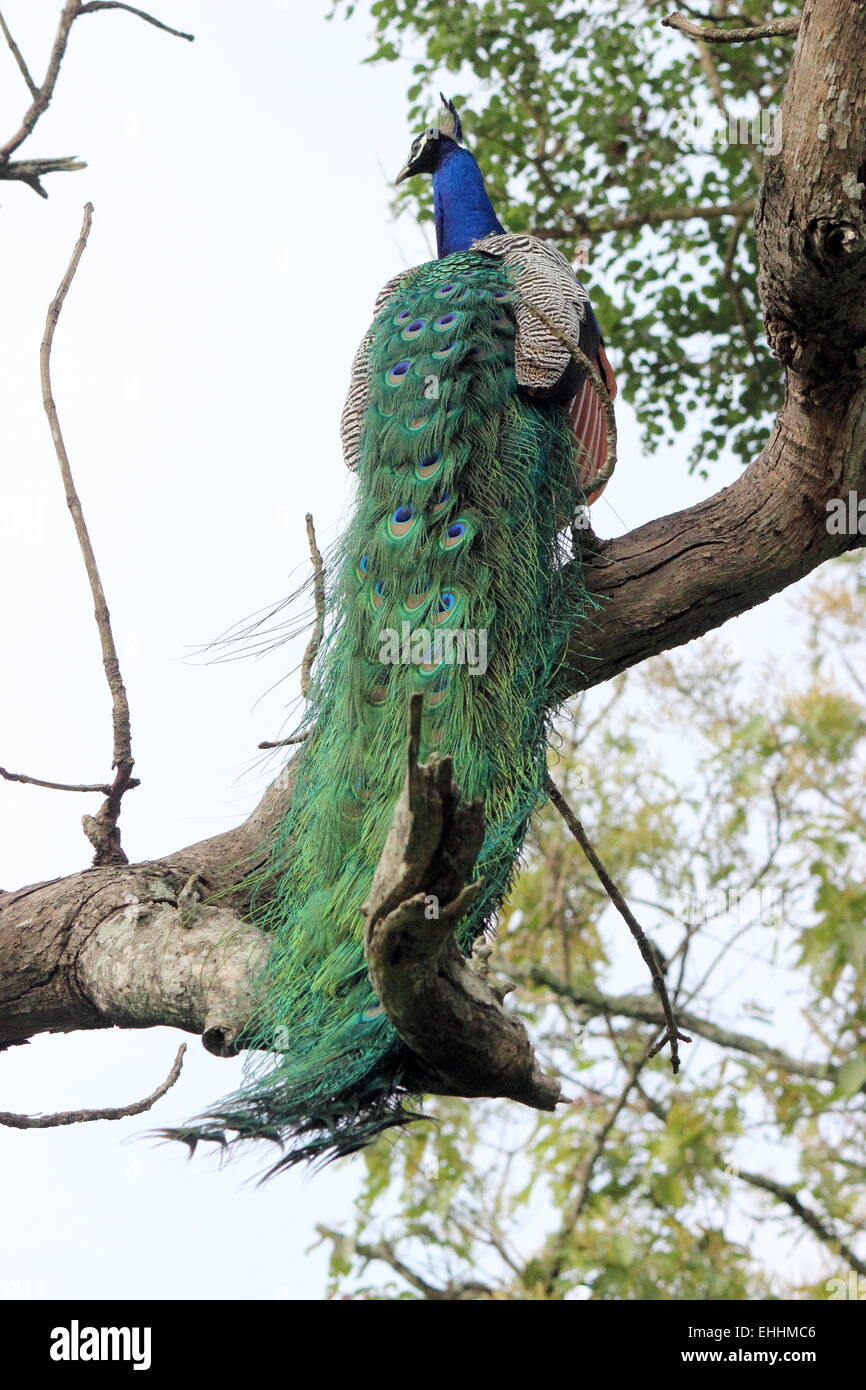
(428, 147)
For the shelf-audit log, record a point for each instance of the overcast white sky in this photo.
(240, 235)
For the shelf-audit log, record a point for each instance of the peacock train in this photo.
(471, 427)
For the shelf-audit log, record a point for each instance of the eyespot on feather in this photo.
(446, 322)
(428, 466)
(402, 521)
(396, 375)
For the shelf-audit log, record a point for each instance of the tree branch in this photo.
(30, 171)
(645, 1009)
(19, 58)
(55, 786)
(77, 1117)
(773, 29)
(93, 5)
(672, 1033)
(319, 599)
(102, 829)
(825, 1233)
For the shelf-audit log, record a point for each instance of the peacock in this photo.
(470, 429)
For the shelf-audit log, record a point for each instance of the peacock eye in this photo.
(428, 465)
(446, 602)
(456, 530)
(396, 373)
(446, 321)
(379, 588)
(402, 521)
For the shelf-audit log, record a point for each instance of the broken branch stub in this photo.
(464, 1043)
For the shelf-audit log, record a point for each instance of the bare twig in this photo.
(672, 1034)
(42, 97)
(93, 5)
(19, 58)
(101, 829)
(78, 1117)
(580, 358)
(773, 29)
(55, 786)
(285, 742)
(29, 171)
(319, 595)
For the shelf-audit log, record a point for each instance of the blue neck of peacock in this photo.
(462, 209)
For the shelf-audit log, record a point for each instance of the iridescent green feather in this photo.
(462, 484)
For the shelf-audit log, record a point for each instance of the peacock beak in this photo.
(405, 173)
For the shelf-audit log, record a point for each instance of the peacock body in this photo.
(448, 581)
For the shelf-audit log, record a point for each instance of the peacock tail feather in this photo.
(448, 581)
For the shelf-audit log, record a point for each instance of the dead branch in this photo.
(102, 829)
(463, 1040)
(19, 58)
(284, 742)
(31, 171)
(671, 1034)
(319, 597)
(78, 1117)
(55, 786)
(773, 29)
(92, 5)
